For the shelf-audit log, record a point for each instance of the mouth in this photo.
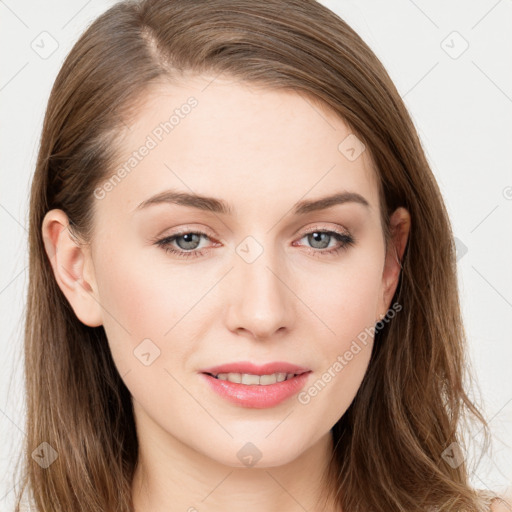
(256, 391)
(250, 371)
(250, 379)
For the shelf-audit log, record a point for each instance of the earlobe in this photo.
(400, 223)
(70, 262)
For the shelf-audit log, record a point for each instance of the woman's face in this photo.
(250, 282)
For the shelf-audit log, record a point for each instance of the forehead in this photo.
(239, 141)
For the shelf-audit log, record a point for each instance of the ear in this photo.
(72, 267)
(399, 223)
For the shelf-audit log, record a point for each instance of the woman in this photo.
(243, 287)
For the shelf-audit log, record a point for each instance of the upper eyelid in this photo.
(316, 226)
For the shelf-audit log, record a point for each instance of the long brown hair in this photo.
(413, 402)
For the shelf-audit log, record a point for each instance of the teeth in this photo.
(251, 380)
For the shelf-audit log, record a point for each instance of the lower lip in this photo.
(257, 396)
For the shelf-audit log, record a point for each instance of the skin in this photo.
(260, 150)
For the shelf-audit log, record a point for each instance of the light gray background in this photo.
(460, 101)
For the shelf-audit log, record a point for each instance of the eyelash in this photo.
(345, 239)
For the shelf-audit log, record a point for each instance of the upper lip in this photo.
(253, 369)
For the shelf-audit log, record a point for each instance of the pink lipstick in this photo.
(249, 385)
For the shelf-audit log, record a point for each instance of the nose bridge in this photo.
(260, 302)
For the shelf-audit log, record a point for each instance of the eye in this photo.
(187, 243)
(321, 239)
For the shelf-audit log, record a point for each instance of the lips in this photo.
(252, 395)
(253, 369)
(257, 396)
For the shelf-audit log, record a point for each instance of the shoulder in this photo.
(491, 501)
(499, 505)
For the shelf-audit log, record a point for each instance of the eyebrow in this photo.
(214, 205)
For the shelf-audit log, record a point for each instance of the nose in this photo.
(260, 301)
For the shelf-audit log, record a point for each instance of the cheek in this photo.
(345, 298)
(141, 302)
(347, 309)
(330, 393)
